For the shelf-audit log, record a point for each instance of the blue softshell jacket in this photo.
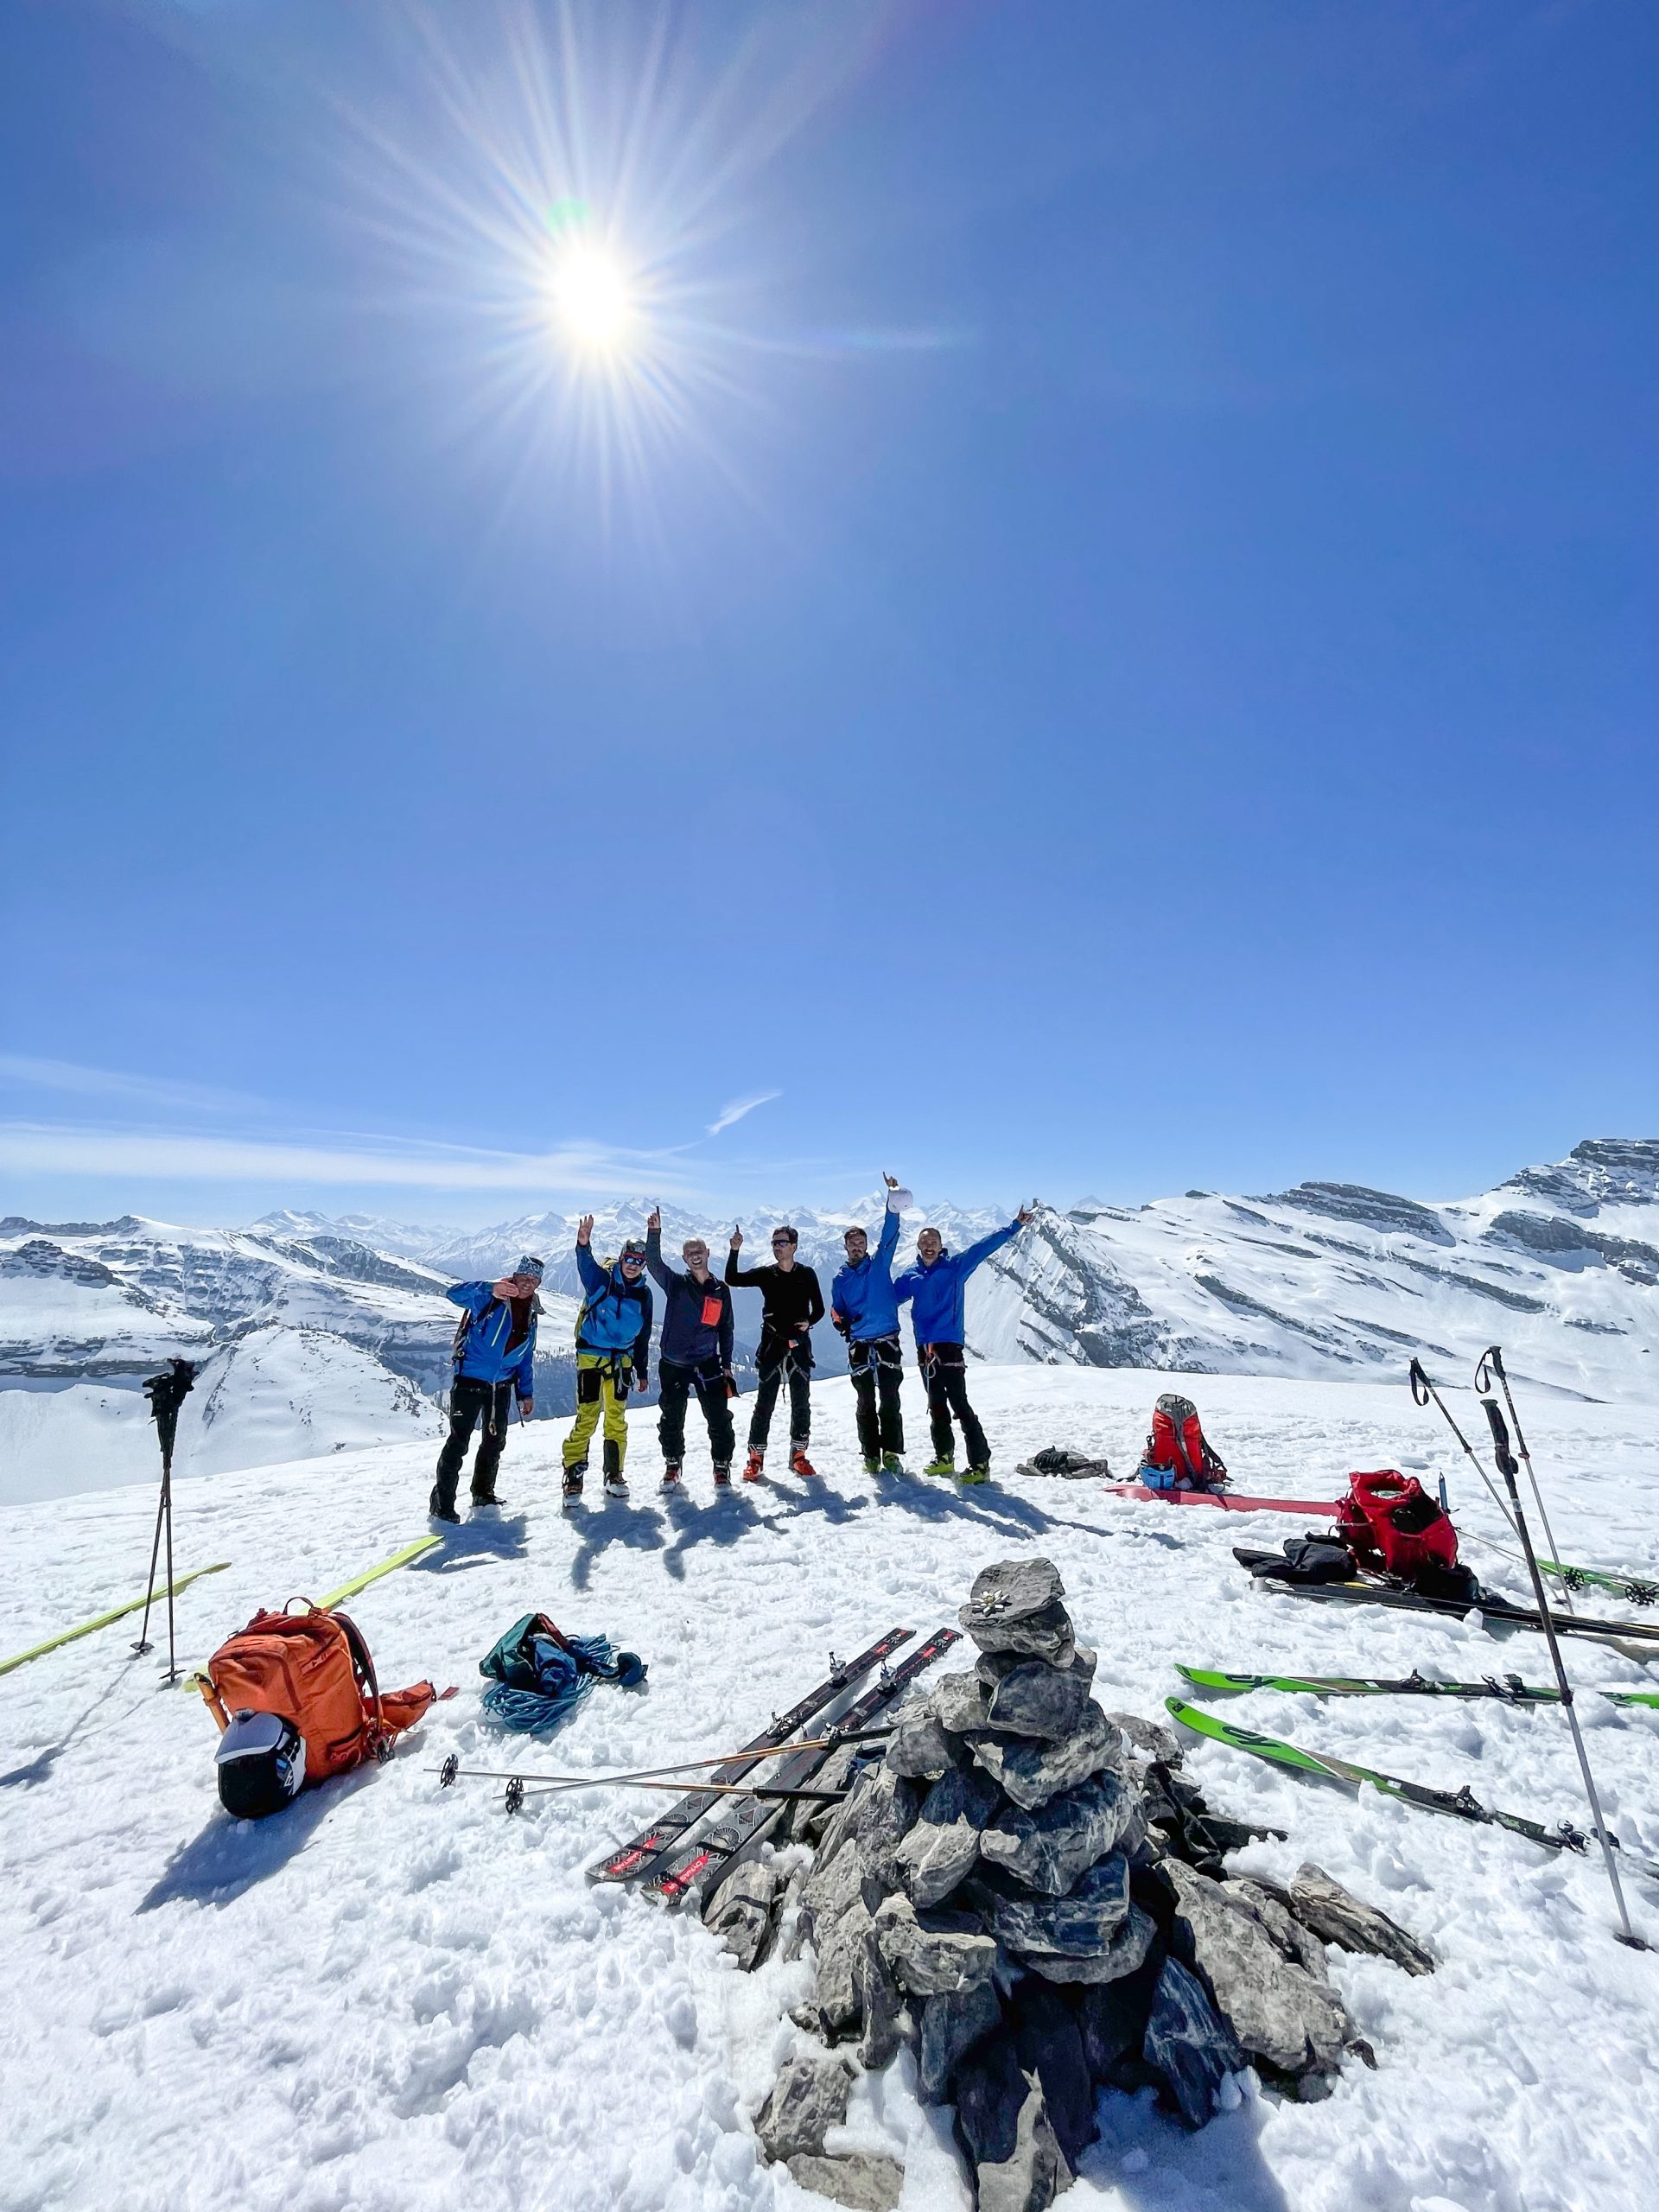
(484, 1355)
(617, 1316)
(864, 1294)
(935, 1293)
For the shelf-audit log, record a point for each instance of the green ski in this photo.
(1634, 1589)
(1509, 1689)
(115, 1613)
(1460, 1804)
(416, 1550)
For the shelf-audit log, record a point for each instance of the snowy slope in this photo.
(395, 1999)
(1560, 1264)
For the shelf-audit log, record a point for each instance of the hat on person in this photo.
(529, 1265)
(633, 1250)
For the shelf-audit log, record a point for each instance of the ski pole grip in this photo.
(1507, 1464)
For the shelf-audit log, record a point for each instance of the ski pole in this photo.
(448, 1773)
(166, 1393)
(1423, 1390)
(1508, 1468)
(1492, 1359)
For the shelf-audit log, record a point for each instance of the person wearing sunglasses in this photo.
(863, 1308)
(934, 1289)
(694, 1353)
(612, 1357)
(790, 1302)
(493, 1361)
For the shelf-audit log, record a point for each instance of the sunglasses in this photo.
(782, 1243)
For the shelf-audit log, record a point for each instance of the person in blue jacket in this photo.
(934, 1289)
(612, 1357)
(494, 1356)
(863, 1307)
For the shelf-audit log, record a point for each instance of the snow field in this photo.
(395, 1997)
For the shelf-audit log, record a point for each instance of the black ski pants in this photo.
(675, 1384)
(470, 1401)
(774, 1368)
(944, 1369)
(877, 1372)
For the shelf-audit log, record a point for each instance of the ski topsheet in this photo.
(1229, 1500)
(632, 1857)
(1635, 1589)
(699, 1864)
(1460, 1804)
(103, 1620)
(1490, 1608)
(418, 1549)
(1509, 1689)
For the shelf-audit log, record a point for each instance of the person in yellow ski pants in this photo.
(613, 1354)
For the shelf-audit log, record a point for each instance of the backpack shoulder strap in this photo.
(363, 1668)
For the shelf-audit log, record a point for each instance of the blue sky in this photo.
(1101, 638)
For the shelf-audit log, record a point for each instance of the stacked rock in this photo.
(1026, 1892)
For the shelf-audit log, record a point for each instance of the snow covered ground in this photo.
(395, 1998)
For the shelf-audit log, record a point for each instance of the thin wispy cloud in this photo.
(19, 1071)
(737, 1107)
(33, 1148)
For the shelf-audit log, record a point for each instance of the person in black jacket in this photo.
(693, 1353)
(792, 1303)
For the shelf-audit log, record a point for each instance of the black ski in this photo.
(701, 1864)
(631, 1860)
(1493, 1609)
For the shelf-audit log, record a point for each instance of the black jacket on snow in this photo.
(690, 1338)
(793, 1302)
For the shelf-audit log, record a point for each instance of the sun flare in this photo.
(593, 303)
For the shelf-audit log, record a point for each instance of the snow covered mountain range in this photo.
(318, 1334)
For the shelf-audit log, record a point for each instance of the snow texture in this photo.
(393, 1998)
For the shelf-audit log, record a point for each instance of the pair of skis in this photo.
(1457, 1804)
(669, 1865)
(1491, 1608)
(1508, 1689)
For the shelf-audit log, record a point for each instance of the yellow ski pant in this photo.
(597, 1393)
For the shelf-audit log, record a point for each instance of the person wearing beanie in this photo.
(790, 1302)
(494, 1358)
(612, 1357)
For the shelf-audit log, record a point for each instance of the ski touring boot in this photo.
(892, 1464)
(754, 1465)
(871, 1463)
(975, 1475)
(440, 1512)
(572, 1489)
(614, 1486)
(799, 1462)
(944, 1465)
(670, 1474)
(722, 1474)
(481, 1500)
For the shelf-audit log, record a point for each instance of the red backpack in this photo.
(314, 1670)
(1390, 1517)
(1176, 1443)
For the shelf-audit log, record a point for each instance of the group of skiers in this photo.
(495, 1350)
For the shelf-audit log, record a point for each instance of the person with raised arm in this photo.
(863, 1307)
(792, 1302)
(934, 1288)
(693, 1353)
(493, 1360)
(612, 1357)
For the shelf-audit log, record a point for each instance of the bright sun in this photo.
(592, 300)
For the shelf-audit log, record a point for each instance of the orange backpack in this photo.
(313, 1669)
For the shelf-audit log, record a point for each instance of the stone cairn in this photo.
(1028, 1891)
